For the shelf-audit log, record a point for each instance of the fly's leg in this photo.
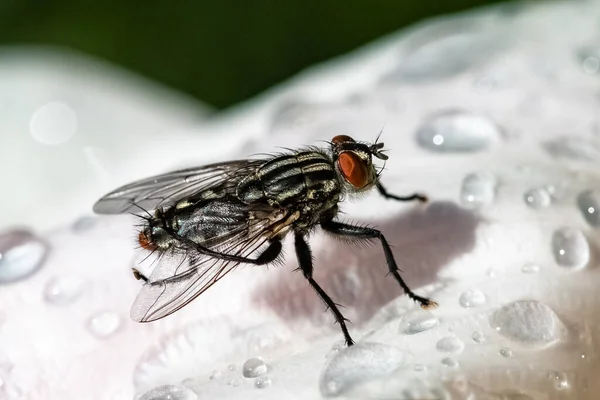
(415, 196)
(360, 232)
(304, 256)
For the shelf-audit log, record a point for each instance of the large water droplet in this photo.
(528, 322)
(450, 344)
(63, 290)
(21, 255)
(254, 367)
(570, 248)
(472, 298)
(53, 123)
(262, 382)
(478, 189)
(478, 337)
(449, 362)
(170, 392)
(506, 352)
(589, 205)
(358, 364)
(417, 321)
(457, 131)
(104, 324)
(537, 198)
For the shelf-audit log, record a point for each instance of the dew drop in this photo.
(589, 205)
(63, 290)
(357, 364)
(450, 344)
(232, 367)
(472, 298)
(234, 382)
(506, 352)
(53, 123)
(570, 248)
(170, 392)
(417, 321)
(528, 322)
(254, 367)
(478, 189)
(449, 362)
(537, 198)
(478, 337)
(21, 255)
(104, 324)
(457, 131)
(530, 269)
(591, 65)
(262, 382)
(559, 380)
(216, 374)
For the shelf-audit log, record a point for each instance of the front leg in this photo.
(415, 196)
(365, 233)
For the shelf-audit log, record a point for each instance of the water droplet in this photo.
(420, 367)
(527, 322)
(457, 131)
(232, 367)
(589, 205)
(570, 248)
(472, 298)
(234, 382)
(63, 290)
(262, 382)
(417, 321)
(21, 255)
(357, 364)
(506, 352)
(216, 374)
(530, 269)
(591, 65)
(450, 344)
(478, 337)
(537, 198)
(254, 367)
(478, 189)
(559, 379)
(104, 324)
(449, 362)
(53, 123)
(170, 392)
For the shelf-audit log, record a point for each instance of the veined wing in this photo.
(167, 189)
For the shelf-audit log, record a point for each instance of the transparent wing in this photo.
(167, 189)
(179, 278)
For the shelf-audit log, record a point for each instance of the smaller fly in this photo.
(208, 220)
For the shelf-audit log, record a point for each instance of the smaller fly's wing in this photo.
(168, 189)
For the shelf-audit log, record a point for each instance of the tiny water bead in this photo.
(472, 298)
(232, 367)
(234, 382)
(559, 380)
(53, 123)
(63, 290)
(478, 189)
(478, 337)
(450, 344)
(456, 132)
(417, 321)
(506, 352)
(216, 374)
(170, 392)
(262, 382)
(254, 367)
(104, 324)
(530, 268)
(21, 255)
(591, 65)
(589, 205)
(570, 248)
(537, 198)
(449, 362)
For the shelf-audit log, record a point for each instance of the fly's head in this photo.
(354, 162)
(152, 235)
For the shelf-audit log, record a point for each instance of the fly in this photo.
(208, 220)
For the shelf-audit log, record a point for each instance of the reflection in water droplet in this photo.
(472, 298)
(449, 362)
(170, 392)
(262, 382)
(478, 337)
(254, 367)
(537, 198)
(591, 65)
(417, 321)
(450, 344)
(357, 364)
(527, 322)
(530, 268)
(104, 324)
(63, 290)
(506, 352)
(570, 248)
(53, 123)
(216, 374)
(559, 380)
(21, 255)
(478, 189)
(589, 205)
(457, 131)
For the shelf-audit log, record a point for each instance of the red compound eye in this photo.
(146, 242)
(353, 169)
(341, 139)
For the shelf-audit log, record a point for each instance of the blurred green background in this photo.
(220, 51)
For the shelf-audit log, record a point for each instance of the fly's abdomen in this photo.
(300, 177)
